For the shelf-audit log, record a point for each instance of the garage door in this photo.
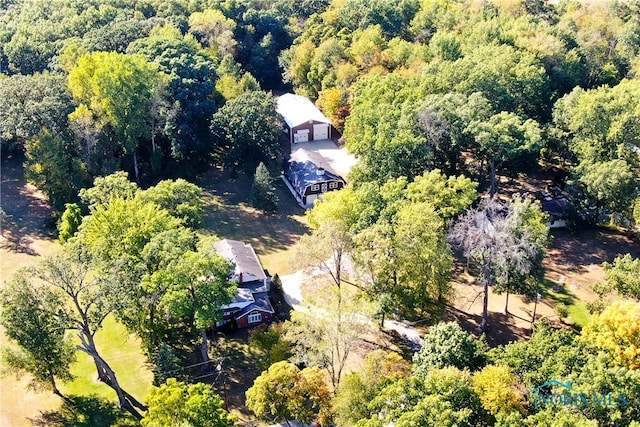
(301, 136)
(320, 132)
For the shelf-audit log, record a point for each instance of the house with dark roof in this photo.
(555, 204)
(308, 175)
(303, 121)
(251, 305)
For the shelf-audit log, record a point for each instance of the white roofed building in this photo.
(304, 122)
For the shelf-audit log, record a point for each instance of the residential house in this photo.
(251, 306)
(304, 122)
(308, 175)
(555, 204)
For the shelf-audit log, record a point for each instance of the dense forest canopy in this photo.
(89, 88)
(414, 86)
(435, 97)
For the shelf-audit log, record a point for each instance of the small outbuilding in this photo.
(556, 209)
(308, 175)
(303, 121)
(251, 305)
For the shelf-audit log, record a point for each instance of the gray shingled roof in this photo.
(261, 303)
(305, 168)
(242, 256)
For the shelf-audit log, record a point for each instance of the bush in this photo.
(447, 345)
(562, 310)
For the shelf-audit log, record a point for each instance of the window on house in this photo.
(255, 317)
(333, 184)
(315, 187)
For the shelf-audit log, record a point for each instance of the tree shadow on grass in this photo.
(228, 213)
(576, 251)
(89, 411)
(558, 294)
(502, 329)
(27, 214)
(240, 367)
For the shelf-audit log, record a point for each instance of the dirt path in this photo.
(22, 241)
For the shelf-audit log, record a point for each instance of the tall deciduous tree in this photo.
(247, 131)
(407, 260)
(70, 222)
(624, 275)
(83, 301)
(33, 318)
(180, 198)
(175, 403)
(325, 334)
(498, 390)
(54, 167)
(115, 91)
(617, 331)
(285, 392)
(496, 238)
(215, 31)
(504, 137)
(612, 184)
(105, 188)
(446, 345)
(529, 219)
(30, 103)
(194, 287)
(187, 102)
(357, 389)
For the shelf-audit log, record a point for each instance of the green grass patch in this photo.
(122, 352)
(576, 308)
(579, 314)
(228, 214)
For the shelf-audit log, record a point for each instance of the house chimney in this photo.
(240, 278)
(320, 171)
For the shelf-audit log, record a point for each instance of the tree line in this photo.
(158, 89)
(481, 89)
(457, 380)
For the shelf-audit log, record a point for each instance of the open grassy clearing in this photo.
(122, 351)
(556, 296)
(229, 214)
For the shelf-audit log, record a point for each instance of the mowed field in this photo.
(27, 236)
(23, 240)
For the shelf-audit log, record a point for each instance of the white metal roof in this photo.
(297, 110)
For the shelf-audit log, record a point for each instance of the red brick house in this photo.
(251, 306)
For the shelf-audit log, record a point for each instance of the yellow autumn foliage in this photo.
(617, 331)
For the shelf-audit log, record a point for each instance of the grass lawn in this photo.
(122, 352)
(576, 308)
(229, 215)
